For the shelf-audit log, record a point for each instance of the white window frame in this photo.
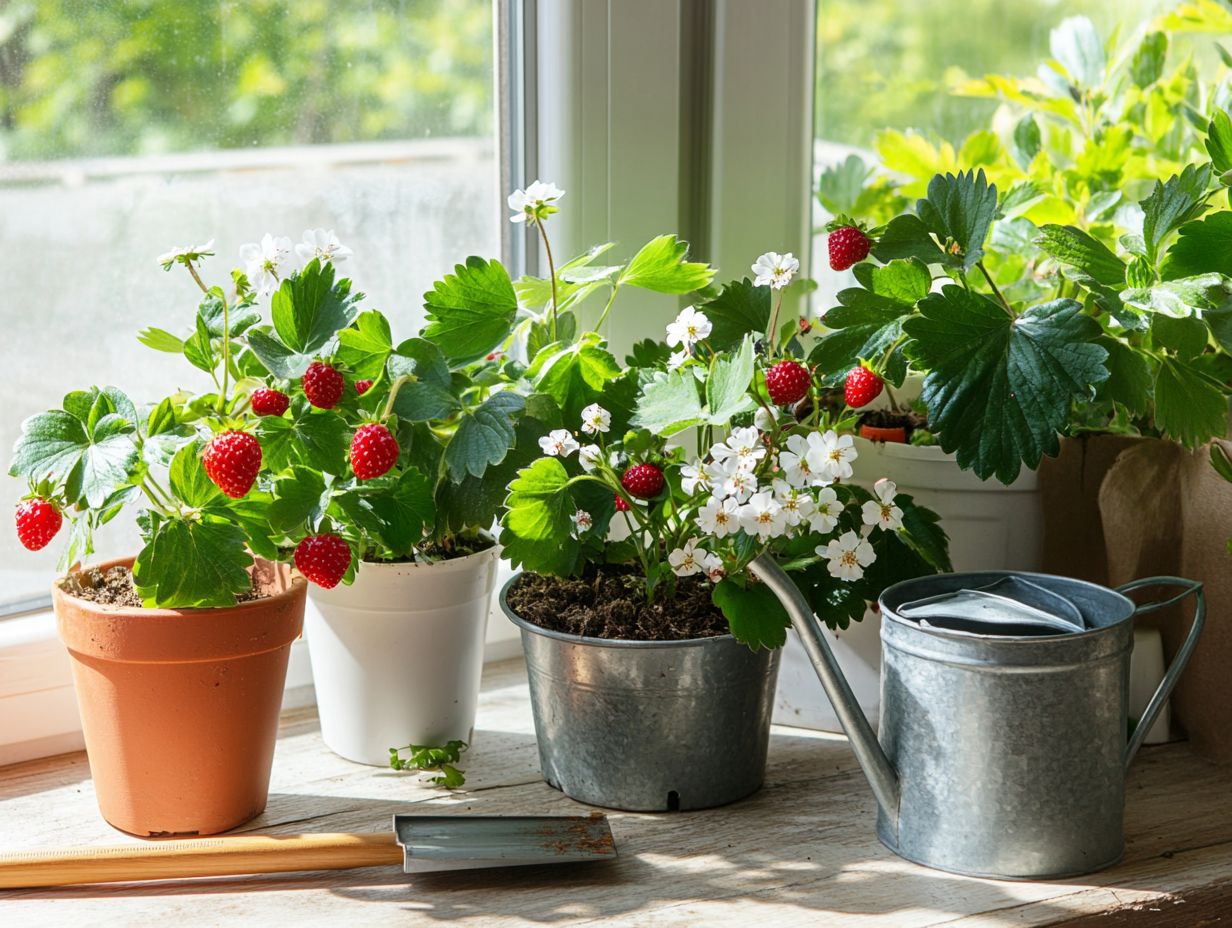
(654, 116)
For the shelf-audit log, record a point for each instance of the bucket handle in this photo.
(1168, 683)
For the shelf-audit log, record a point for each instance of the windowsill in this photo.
(38, 708)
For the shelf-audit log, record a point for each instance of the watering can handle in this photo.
(1168, 683)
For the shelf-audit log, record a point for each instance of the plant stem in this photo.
(226, 355)
(197, 277)
(606, 309)
(547, 248)
(988, 277)
(772, 334)
(393, 394)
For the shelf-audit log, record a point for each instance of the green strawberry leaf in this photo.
(199, 348)
(192, 564)
(1190, 406)
(189, 481)
(870, 319)
(906, 236)
(212, 310)
(999, 387)
(1129, 377)
(405, 508)
(365, 346)
(1180, 199)
(484, 435)
(661, 266)
(669, 404)
(161, 340)
(727, 387)
(738, 310)
(959, 210)
(574, 375)
(1182, 297)
(92, 460)
(537, 519)
(320, 439)
(1087, 260)
(1147, 65)
(309, 308)
(1202, 247)
(1076, 46)
(278, 359)
(472, 310)
(755, 615)
(299, 503)
(1219, 143)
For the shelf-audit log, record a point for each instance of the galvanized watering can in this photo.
(1003, 739)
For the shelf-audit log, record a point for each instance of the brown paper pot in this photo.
(180, 707)
(1166, 511)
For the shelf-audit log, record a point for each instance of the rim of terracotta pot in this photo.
(631, 643)
(883, 433)
(296, 582)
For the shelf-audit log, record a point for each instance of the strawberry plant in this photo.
(702, 452)
(1067, 275)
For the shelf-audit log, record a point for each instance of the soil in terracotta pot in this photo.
(114, 587)
(610, 602)
(890, 419)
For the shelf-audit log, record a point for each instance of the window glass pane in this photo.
(128, 128)
(899, 65)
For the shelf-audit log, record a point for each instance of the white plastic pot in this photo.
(397, 656)
(991, 527)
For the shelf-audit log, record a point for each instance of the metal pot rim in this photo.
(1011, 640)
(618, 643)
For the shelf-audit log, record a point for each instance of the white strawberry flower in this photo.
(323, 245)
(687, 561)
(796, 463)
(262, 260)
(582, 522)
(689, 328)
(847, 555)
(740, 484)
(796, 503)
(743, 449)
(694, 476)
(719, 517)
(764, 419)
(763, 517)
(712, 567)
(184, 254)
(596, 419)
(535, 202)
(836, 454)
(677, 359)
(775, 270)
(882, 512)
(559, 442)
(826, 510)
(589, 457)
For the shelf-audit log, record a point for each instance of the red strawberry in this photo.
(38, 520)
(323, 559)
(861, 387)
(363, 386)
(374, 450)
(621, 505)
(322, 385)
(267, 402)
(848, 245)
(788, 382)
(644, 481)
(232, 460)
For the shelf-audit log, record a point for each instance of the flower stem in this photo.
(393, 394)
(226, 355)
(197, 277)
(771, 336)
(607, 308)
(988, 277)
(547, 248)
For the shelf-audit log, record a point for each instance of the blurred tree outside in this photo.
(891, 63)
(86, 78)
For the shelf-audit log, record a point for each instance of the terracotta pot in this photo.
(897, 434)
(179, 708)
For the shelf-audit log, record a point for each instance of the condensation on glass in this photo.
(128, 129)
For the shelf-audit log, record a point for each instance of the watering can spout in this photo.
(873, 761)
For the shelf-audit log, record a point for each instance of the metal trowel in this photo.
(420, 843)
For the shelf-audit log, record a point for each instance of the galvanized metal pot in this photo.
(1000, 755)
(648, 726)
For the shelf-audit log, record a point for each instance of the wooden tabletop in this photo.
(800, 852)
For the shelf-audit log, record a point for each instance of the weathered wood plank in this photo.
(801, 852)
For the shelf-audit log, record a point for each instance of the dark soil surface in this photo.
(114, 587)
(889, 419)
(611, 603)
(448, 551)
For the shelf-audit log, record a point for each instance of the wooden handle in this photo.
(169, 860)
